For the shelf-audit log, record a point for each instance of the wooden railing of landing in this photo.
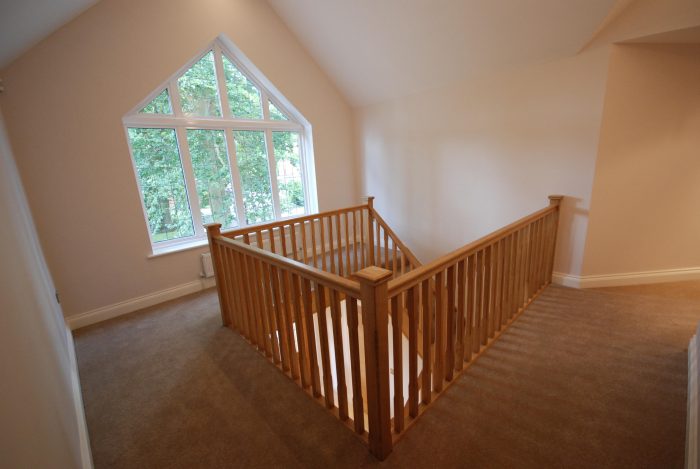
(274, 280)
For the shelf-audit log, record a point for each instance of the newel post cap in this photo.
(213, 228)
(373, 275)
(555, 199)
(370, 200)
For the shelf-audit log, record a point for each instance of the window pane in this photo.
(159, 105)
(198, 90)
(276, 114)
(159, 169)
(288, 160)
(251, 155)
(212, 176)
(243, 95)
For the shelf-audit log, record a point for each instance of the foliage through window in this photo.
(211, 145)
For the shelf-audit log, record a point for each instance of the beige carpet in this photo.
(582, 379)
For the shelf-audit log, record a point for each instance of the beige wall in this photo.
(645, 212)
(64, 101)
(41, 410)
(451, 165)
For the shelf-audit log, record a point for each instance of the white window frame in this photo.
(228, 123)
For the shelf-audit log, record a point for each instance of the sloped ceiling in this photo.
(379, 50)
(23, 23)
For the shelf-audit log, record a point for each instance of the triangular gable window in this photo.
(238, 152)
(159, 105)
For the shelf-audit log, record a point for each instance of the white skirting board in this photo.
(693, 417)
(135, 304)
(629, 278)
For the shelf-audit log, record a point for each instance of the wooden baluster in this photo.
(397, 333)
(413, 308)
(479, 301)
(378, 239)
(450, 322)
(486, 298)
(499, 286)
(516, 268)
(357, 402)
(370, 232)
(233, 288)
(354, 241)
(314, 246)
(323, 244)
(270, 313)
(534, 266)
(283, 241)
(394, 269)
(336, 319)
(255, 286)
(242, 319)
(331, 245)
(386, 249)
(323, 338)
(495, 256)
(271, 239)
(279, 317)
(304, 247)
(426, 388)
(303, 354)
(471, 306)
(439, 365)
(248, 299)
(226, 308)
(461, 312)
(339, 242)
(348, 265)
(373, 287)
(528, 263)
(293, 238)
(307, 297)
(365, 252)
(543, 253)
(289, 323)
(264, 291)
(554, 200)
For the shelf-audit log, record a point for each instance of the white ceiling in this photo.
(376, 50)
(23, 23)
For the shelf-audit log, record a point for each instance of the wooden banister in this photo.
(293, 287)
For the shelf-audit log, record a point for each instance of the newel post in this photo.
(554, 201)
(370, 235)
(375, 320)
(214, 231)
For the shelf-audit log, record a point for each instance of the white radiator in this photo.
(207, 265)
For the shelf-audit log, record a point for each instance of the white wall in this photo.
(41, 417)
(65, 98)
(646, 195)
(451, 165)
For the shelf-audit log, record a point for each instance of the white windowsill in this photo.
(198, 243)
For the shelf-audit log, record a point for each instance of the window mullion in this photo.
(175, 98)
(265, 104)
(190, 182)
(221, 83)
(235, 177)
(273, 173)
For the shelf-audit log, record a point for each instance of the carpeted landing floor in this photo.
(589, 379)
